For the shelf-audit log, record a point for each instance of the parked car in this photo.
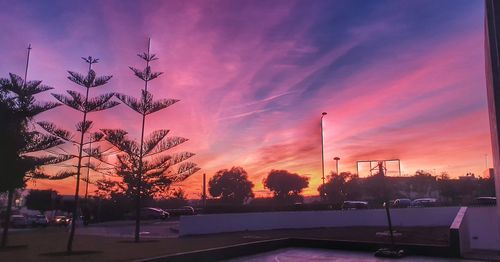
(401, 203)
(485, 201)
(182, 211)
(18, 221)
(424, 202)
(61, 220)
(154, 213)
(149, 213)
(3, 215)
(39, 220)
(352, 205)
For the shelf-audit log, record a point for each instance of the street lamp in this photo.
(322, 151)
(337, 163)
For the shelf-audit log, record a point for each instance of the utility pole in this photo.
(204, 195)
(322, 153)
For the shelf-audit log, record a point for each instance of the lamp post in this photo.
(322, 151)
(337, 163)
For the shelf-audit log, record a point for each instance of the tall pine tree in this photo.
(18, 139)
(144, 167)
(84, 104)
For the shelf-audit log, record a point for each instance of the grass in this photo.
(99, 248)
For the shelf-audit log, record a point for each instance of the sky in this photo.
(398, 79)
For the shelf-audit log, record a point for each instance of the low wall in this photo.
(219, 223)
(459, 233)
(483, 228)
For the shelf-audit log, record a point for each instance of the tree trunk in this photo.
(137, 217)
(7, 217)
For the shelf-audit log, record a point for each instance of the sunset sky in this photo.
(399, 79)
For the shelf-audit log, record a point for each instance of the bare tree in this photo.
(144, 168)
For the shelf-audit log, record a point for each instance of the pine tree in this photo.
(85, 105)
(18, 139)
(144, 168)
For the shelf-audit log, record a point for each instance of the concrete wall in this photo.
(482, 227)
(217, 223)
(459, 233)
(492, 66)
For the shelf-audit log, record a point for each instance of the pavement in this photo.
(485, 255)
(308, 254)
(149, 229)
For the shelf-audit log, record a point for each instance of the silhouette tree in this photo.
(41, 200)
(448, 189)
(468, 188)
(286, 186)
(486, 186)
(179, 197)
(85, 105)
(18, 140)
(231, 186)
(422, 183)
(444, 175)
(340, 187)
(354, 187)
(143, 167)
(176, 199)
(378, 189)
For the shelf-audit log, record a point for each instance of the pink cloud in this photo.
(252, 83)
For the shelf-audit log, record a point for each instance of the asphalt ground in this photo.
(48, 244)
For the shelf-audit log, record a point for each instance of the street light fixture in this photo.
(337, 163)
(322, 151)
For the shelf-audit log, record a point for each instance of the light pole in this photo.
(337, 163)
(204, 194)
(322, 151)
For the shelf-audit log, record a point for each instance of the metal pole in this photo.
(322, 151)
(27, 64)
(204, 196)
(389, 221)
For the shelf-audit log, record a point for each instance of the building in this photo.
(489, 173)
(492, 59)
